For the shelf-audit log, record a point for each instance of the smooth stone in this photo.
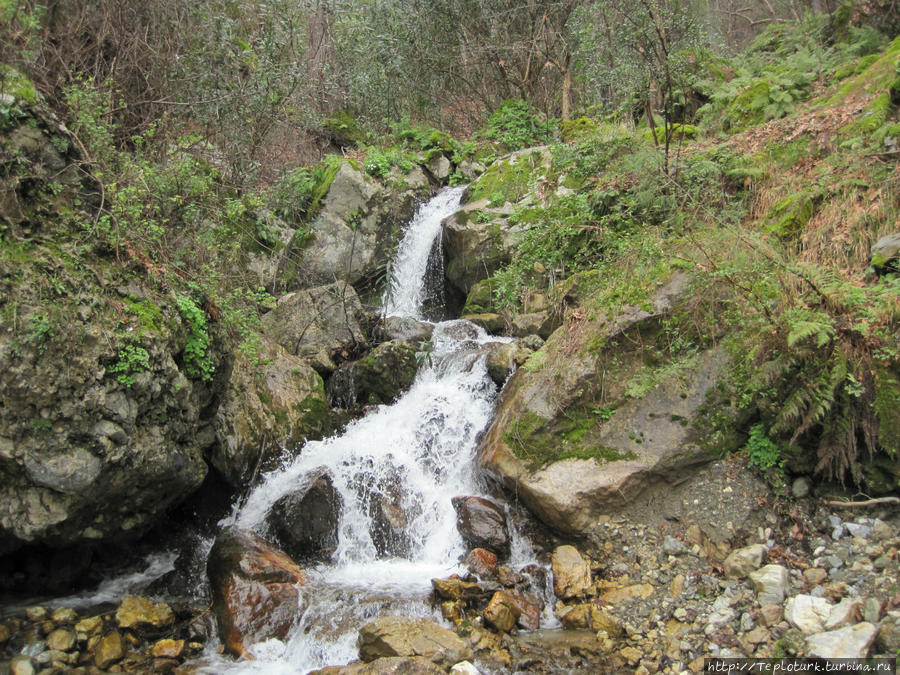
(139, 613)
(772, 583)
(571, 573)
(850, 642)
(402, 636)
(807, 613)
(109, 649)
(62, 640)
(21, 665)
(847, 611)
(800, 487)
(742, 561)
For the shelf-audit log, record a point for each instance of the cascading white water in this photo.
(410, 266)
(416, 453)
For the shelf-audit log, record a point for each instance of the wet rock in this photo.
(272, 400)
(305, 521)
(401, 636)
(61, 639)
(89, 626)
(5, 633)
(482, 563)
(109, 650)
(475, 250)
(454, 588)
(493, 324)
(143, 615)
(439, 167)
(379, 377)
(851, 642)
(808, 613)
(390, 511)
(504, 357)
(35, 614)
(772, 583)
(406, 329)
(571, 573)
(742, 561)
(254, 588)
(317, 323)
(169, 649)
(502, 612)
(21, 665)
(64, 615)
(355, 232)
(482, 524)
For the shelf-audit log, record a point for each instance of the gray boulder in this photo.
(379, 377)
(355, 233)
(306, 520)
(654, 434)
(886, 252)
(482, 524)
(317, 323)
(280, 399)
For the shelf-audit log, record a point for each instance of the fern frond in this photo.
(801, 330)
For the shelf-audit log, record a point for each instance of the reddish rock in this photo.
(254, 589)
(482, 562)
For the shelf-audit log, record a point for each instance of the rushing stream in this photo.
(416, 454)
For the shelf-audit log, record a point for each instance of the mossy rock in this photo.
(344, 129)
(572, 130)
(747, 109)
(16, 85)
(790, 215)
(481, 298)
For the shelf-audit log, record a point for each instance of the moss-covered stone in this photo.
(790, 215)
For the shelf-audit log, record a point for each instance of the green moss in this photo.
(790, 215)
(315, 416)
(344, 129)
(540, 442)
(678, 132)
(747, 108)
(481, 298)
(511, 180)
(17, 85)
(572, 130)
(875, 115)
(149, 316)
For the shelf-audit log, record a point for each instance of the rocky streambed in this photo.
(721, 567)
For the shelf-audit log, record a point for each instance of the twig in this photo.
(867, 502)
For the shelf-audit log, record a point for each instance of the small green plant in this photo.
(132, 360)
(197, 359)
(762, 451)
(40, 332)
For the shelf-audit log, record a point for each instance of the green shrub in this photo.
(517, 124)
(197, 359)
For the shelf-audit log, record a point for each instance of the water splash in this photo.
(409, 288)
(415, 455)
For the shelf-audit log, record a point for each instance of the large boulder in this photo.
(356, 230)
(274, 399)
(478, 240)
(401, 636)
(482, 524)
(586, 426)
(318, 323)
(390, 509)
(105, 417)
(381, 376)
(306, 520)
(255, 589)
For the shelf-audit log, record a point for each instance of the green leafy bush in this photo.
(517, 124)
(197, 359)
(132, 359)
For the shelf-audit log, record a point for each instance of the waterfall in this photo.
(417, 452)
(409, 272)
